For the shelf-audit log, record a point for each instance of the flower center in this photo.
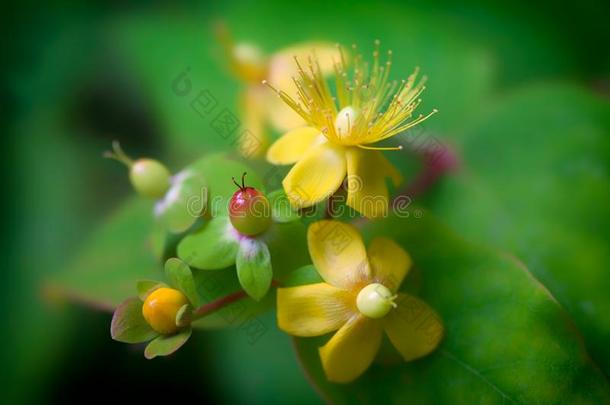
(375, 301)
(345, 121)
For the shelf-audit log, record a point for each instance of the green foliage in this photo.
(214, 285)
(111, 262)
(128, 324)
(165, 345)
(507, 339)
(212, 247)
(253, 265)
(303, 275)
(287, 244)
(180, 276)
(281, 210)
(184, 202)
(536, 182)
(259, 359)
(145, 287)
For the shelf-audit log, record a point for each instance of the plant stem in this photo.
(219, 303)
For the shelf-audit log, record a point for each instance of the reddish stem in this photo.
(211, 307)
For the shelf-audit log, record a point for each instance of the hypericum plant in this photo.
(343, 130)
(239, 237)
(161, 313)
(353, 314)
(358, 297)
(151, 179)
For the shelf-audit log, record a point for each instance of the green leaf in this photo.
(112, 260)
(288, 249)
(218, 170)
(165, 345)
(287, 243)
(180, 276)
(281, 209)
(145, 287)
(541, 189)
(184, 202)
(507, 339)
(301, 276)
(212, 247)
(217, 285)
(128, 324)
(255, 346)
(253, 264)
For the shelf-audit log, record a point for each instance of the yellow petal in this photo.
(413, 327)
(316, 176)
(293, 145)
(389, 262)
(367, 191)
(351, 350)
(313, 310)
(282, 68)
(253, 139)
(338, 253)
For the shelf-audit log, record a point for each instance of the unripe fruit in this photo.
(161, 307)
(375, 301)
(150, 178)
(249, 210)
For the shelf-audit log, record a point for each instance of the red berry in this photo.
(249, 210)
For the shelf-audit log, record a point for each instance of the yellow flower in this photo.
(258, 107)
(367, 108)
(359, 300)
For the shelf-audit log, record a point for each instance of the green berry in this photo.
(150, 178)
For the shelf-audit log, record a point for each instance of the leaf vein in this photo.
(477, 374)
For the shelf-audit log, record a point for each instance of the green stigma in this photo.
(375, 301)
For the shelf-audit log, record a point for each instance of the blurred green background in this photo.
(508, 79)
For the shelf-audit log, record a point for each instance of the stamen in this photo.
(384, 106)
